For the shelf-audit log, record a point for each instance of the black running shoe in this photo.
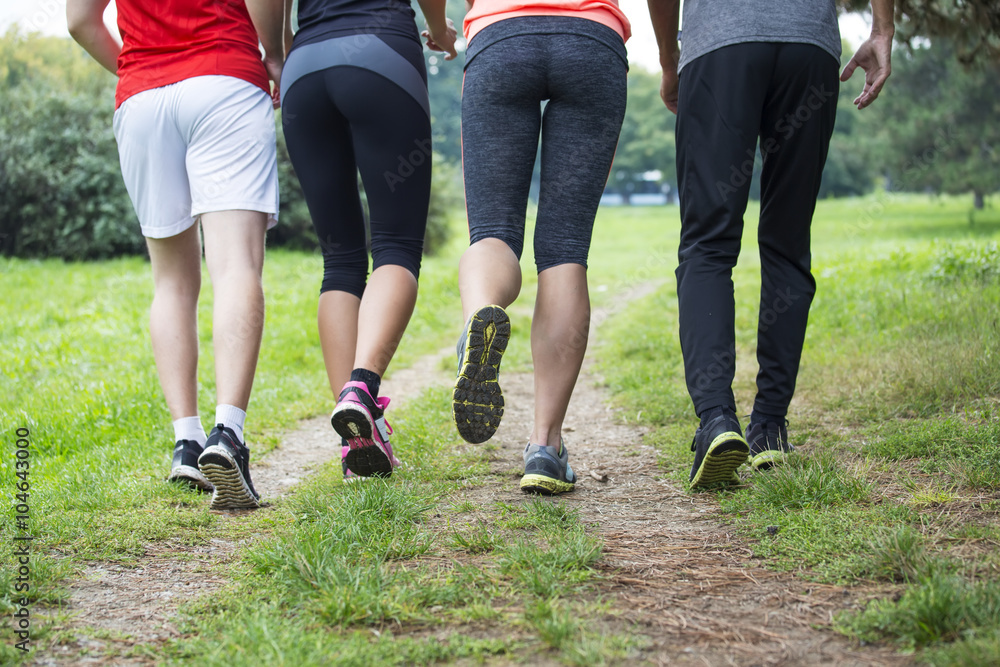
(184, 467)
(719, 449)
(226, 463)
(769, 444)
(477, 401)
(547, 470)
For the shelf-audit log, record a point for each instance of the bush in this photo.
(61, 190)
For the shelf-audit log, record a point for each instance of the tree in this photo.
(61, 191)
(938, 122)
(646, 143)
(973, 26)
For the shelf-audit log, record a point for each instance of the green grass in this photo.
(897, 418)
(350, 557)
(896, 481)
(77, 371)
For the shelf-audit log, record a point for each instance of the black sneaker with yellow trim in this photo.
(477, 401)
(769, 444)
(719, 449)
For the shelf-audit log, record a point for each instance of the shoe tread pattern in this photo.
(231, 490)
(544, 485)
(477, 400)
(727, 452)
(366, 459)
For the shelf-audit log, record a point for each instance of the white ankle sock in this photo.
(232, 417)
(190, 428)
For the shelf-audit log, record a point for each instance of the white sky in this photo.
(49, 17)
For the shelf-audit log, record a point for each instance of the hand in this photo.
(274, 67)
(442, 40)
(669, 84)
(874, 57)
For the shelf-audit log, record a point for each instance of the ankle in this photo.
(233, 418)
(369, 378)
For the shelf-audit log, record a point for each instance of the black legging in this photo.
(584, 82)
(350, 104)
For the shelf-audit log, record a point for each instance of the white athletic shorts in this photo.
(200, 145)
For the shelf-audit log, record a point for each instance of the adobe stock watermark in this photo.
(723, 364)
(910, 176)
(44, 12)
(771, 313)
(408, 164)
(21, 567)
(787, 126)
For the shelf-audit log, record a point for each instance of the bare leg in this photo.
(173, 318)
(489, 273)
(365, 333)
(234, 252)
(338, 335)
(386, 308)
(559, 333)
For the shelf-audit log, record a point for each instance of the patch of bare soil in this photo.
(113, 606)
(672, 570)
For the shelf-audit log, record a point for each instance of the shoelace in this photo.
(383, 403)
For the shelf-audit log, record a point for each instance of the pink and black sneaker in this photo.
(360, 419)
(349, 475)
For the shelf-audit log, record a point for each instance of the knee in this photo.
(345, 273)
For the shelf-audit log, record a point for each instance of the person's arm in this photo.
(268, 17)
(85, 19)
(440, 33)
(665, 16)
(875, 55)
(289, 35)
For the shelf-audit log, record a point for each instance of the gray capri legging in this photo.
(514, 65)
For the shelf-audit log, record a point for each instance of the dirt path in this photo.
(672, 569)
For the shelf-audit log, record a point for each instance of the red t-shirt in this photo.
(166, 41)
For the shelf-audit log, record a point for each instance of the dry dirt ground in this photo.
(672, 570)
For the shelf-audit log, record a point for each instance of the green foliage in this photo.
(973, 24)
(939, 608)
(974, 262)
(646, 142)
(938, 123)
(897, 554)
(810, 482)
(61, 192)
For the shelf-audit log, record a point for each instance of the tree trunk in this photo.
(977, 200)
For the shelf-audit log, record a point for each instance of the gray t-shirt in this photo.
(711, 24)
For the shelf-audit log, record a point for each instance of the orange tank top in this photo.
(487, 12)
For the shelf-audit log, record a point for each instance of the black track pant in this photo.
(785, 94)
(360, 103)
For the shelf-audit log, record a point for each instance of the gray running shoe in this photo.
(547, 470)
